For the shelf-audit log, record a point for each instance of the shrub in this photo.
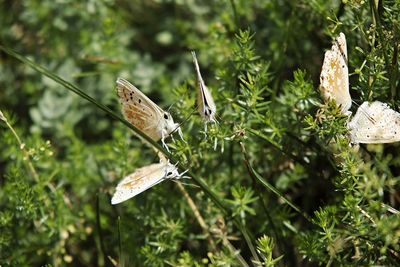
(275, 182)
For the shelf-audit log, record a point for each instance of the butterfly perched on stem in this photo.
(144, 178)
(205, 102)
(334, 78)
(144, 114)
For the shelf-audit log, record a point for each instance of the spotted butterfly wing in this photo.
(334, 78)
(142, 179)
(143, 113)
(375, 123)
(205, 102)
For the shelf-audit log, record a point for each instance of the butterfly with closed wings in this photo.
(144, 114)
(334, 78)
(144, 178)
(205, 102)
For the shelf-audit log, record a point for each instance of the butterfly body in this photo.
(375, 123)
(205, 102)
(142, 179)
(334, 78)
(144, 114)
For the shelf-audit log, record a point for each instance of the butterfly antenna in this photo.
(367, 115)
(169, 108)
(355, 103)
(185, 120)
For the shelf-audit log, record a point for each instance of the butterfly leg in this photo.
(181, 175)
(181, 134)
(163, 142)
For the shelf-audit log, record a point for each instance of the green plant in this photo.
(275, 183)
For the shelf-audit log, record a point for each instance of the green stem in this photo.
(99, 230)
(22, 147)
(234, 11)
(119, 242)
(274, 190)
(277, 147)
(377, 21)
(281, 243)
(225, 210)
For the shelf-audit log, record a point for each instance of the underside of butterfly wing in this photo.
(334, 78)
(209, 104)
(139, 181)
(375, 123)
(139, 110)
(205, 102)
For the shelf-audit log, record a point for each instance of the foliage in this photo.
(275, 183)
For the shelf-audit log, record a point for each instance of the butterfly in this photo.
(144, 114)
(205, 102)
(144, 178)
(334, 78)
(375, 123)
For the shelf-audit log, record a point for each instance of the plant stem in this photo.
(278, 147)
(99, 230)
(276, 191)
(206, 228)
(281, 243)
(196, 213)
(26, 159)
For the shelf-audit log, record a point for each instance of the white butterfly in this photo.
(205, 102)
(144, 114)
(144, 178)
(375, 123)
(334, 78)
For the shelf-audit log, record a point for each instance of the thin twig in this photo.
(206, 228)
(26, 158)
(196, 213)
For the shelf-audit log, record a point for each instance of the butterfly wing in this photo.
(334, 78)
(205, 102)
(375, 123)
(139, 110)
(139, 181)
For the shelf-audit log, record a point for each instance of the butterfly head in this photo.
(171, 171)
(169, 124)
(209, 115)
